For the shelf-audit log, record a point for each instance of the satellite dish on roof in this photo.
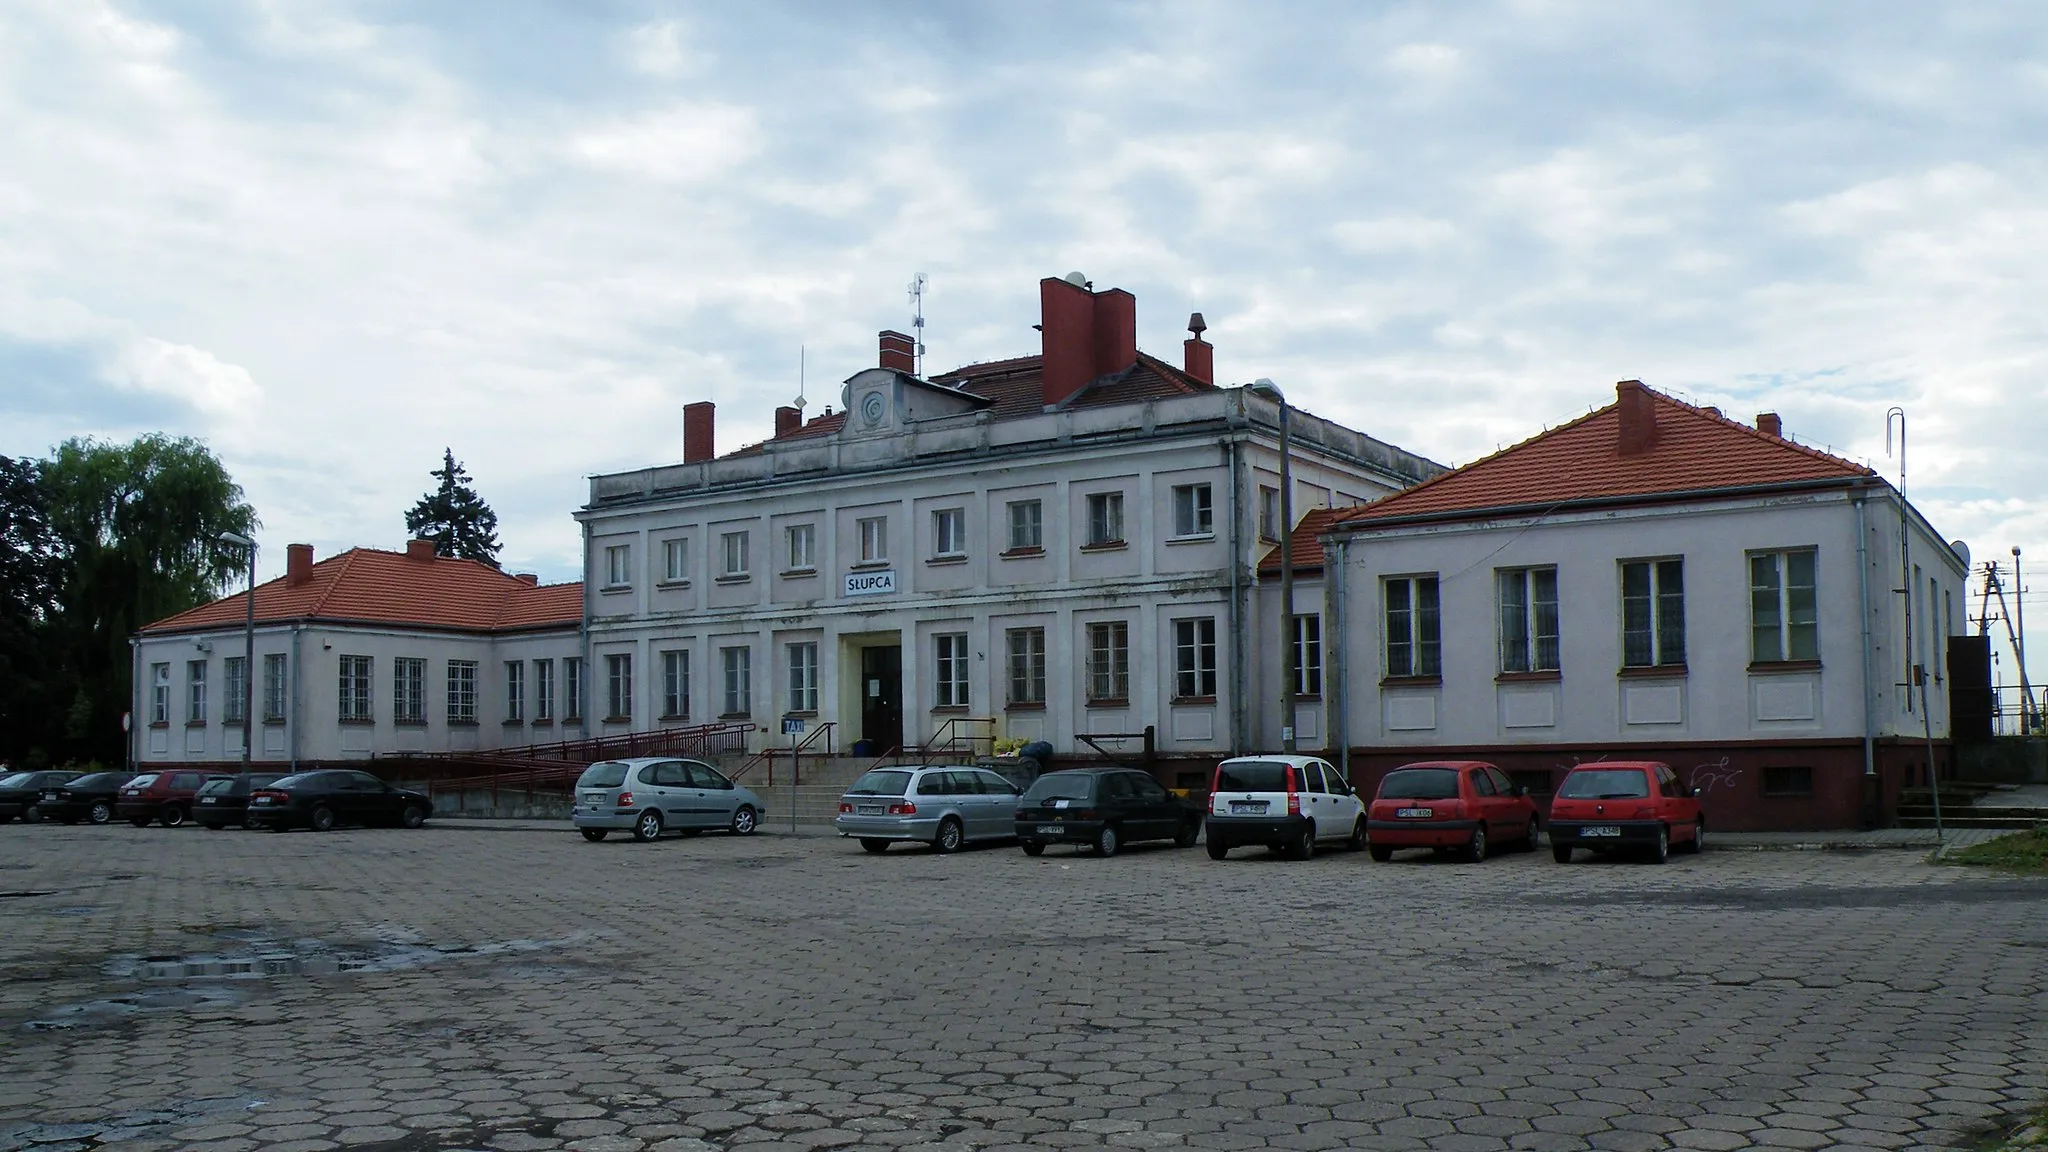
(1076, 279)
(1962, 550)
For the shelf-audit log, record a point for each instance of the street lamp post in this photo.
(1285, 529)
(248, 641)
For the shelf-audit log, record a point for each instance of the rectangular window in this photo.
(949, 532)
(1193, 510)
(515, 690)
(803, 540)
(1109, 663)
(1194, 658)
(675, 684)
(874, 540)
(355, 688)
(618, 686)
(1784, 616)
(1269, 513)
(675, 560)
(1105, 519)
(737, 665)
(1528, 619)
(543, 690)
(276, 685)
(1027, 525)
(1414, 627)
(951, 672)
(462, 691)
(1027, 665)
(1308, 655)
(803, 677)
(1796, 780)
(195, 691)
(1652, 613)
(735, 553)
(618, 566)
(409, 690)
(235, 706)
(572, 688)
(159, 693)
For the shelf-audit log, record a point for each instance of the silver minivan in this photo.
(655, 794)
(944, 806)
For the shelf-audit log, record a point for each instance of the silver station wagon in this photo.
(651, 795)
(944, 807)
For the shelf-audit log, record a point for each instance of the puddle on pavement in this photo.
(135, 1126)
(267, 958)
(88, 1013)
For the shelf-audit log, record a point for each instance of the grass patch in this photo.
(2017, 1134)
(2022, 852)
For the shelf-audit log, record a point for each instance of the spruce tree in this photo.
(454, 517)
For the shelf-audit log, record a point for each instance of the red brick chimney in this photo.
(298, 564)
(1085, 334)
(530, 579)
(899, 352)
(1198, 356)
(419, 549)
(1769, 424)
(1638, 418)
(787, 421)
(697, 431)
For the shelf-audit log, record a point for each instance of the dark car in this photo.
(165, 796)
(21, 793)
(86, 798)
(224, 800)
(332, 797)
(1103, 809)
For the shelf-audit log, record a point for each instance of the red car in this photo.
(1445, 804)
(165, 796)
(1625, 804)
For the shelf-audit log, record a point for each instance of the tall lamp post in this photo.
(1270, 390)
(248, 546)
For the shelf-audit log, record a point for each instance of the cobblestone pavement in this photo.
(442, 989)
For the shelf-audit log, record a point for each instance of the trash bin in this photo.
(863, 748)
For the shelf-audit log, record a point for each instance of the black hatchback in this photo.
(1103, 809)
(326, 799)
(21, 793)
(86, 798)
(223, 802)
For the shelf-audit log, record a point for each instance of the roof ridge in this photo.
(1715, 413)
(347, 560)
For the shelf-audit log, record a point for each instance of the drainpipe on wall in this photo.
(1336, 697)
(1871, 790)
(134, 702)
(583, 645)
(1230, 452)
(292, 682)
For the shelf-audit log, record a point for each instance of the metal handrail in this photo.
(769, 754)
(704, 740)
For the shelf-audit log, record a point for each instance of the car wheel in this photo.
(1304, 846)
(173, 815)
(1190, 832)
(873, 846)
(1218, 849)
(1476, 850)
(31, 814)
(648, 827)
(1699, 838)
(412, 817)
(323, 819)
(1032, 848)
(1357, 840)
(1661, 850)
(745, 821)
(1530, 841)
(1381, 852)
(249, 823)
(595, 834)
(1562, 853)
(950, 836)
(140, 821)
(1106, 841)
(100, 813)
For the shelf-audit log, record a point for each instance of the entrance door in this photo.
(881, 697)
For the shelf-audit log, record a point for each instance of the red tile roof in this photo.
(1304, 541)
(1696, 449)
(366, 586)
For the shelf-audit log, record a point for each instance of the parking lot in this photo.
(454, 988)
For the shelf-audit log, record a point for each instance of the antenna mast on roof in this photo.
(800, 350)
(917, 320)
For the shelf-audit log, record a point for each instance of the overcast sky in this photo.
(330, 239)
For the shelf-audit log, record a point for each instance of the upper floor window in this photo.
(735, 553)
(355, 688)
(195, 692)
(462, 691)
(1194, 658)
(1027, 525)
(803, 542)
(1193, 510)
(618, 566)
(1652, 613)
(1105, 518)
(949, 532)
(409, 690)
(1784, 612)
(874, 540)
(1414, 629)
(1269, 513)
(675, 557)
(1528, 619)
(618, 686)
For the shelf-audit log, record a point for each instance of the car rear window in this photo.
(880, 782)
(143, 781)
(1605, 784)
(1062, 786)
(18, 780)
(102, 780)
(298, 781)
(216, 787)
(1420, 784)
(604, 774)
(1251, 776)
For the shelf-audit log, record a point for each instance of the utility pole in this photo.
(2029, 718)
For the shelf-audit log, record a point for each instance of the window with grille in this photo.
(462, 691)
(409, 690)
(355, 688)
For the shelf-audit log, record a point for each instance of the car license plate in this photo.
(867, 809)
(260, 800)
(51, 796)
(1599, 830)
(1247, 807)
(208, 800)
(1048, 829)
(593, 799)
(1415, 813)
(132, 792)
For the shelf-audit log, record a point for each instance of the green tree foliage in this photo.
(137, 528)
(28, 603)
(454, 517)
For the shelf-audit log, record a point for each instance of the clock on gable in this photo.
(873, 407)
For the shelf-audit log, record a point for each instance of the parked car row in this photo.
(1287, 804)
(319, 800)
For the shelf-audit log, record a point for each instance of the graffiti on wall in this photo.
(1716, 774)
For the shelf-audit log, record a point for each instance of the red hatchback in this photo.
(1445, 804)
(1625, 804)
